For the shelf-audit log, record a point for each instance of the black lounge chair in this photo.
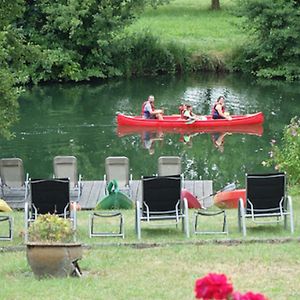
(266, 197)
(49, 196)
(161, 201)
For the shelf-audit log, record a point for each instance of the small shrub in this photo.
(207, 62)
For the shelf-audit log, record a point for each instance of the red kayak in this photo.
(192, 200)
(229, 199)
(176, 121)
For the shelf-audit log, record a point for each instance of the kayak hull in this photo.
(192, 200)
(175, 121)
(229, 199)
(254, 129)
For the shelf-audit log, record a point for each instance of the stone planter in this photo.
(54, 260)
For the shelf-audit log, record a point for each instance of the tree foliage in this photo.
(8, 79)
(273, 47)
(73, 39)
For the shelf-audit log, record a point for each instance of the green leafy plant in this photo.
(285, 156)
(50, 229)
(271, 51)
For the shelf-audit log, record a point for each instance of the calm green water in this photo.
(80, 120)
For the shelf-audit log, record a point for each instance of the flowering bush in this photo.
(286, 157)
(247, 296)
(213, 286)
(216, 286)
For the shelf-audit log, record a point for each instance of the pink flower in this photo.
(213, 286)
(248, 296)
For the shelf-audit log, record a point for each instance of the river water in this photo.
(69, 119)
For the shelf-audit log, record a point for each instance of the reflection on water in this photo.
(80, 120)
(149, 138)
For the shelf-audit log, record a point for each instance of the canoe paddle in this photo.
(227, 188)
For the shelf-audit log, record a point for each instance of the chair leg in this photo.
(9, 236)
(242, 219)
(186, 219)
(122, 226)
(93, 232)
(91, 225)
(290, 205)
(195, 222)
(225, 227)
(138, 220)
(210, 214)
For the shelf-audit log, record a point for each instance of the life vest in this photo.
(215, 113)
(181, 112)
(143, 106)
(144, 113)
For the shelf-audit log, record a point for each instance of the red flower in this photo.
(213, 286)
(248, 296)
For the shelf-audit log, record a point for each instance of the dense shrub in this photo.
(205, 62)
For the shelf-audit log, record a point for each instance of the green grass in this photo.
(164, 264)
(191, 23)
(167, 272)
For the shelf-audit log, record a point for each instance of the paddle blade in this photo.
(228, 187)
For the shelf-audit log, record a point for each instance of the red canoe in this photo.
(254, 129)
(229, 199)
(177, 121)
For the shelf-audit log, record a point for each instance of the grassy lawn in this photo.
(164, 264)
(192, 24)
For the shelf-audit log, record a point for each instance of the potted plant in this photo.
(51, 250)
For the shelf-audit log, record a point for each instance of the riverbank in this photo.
(211, 36)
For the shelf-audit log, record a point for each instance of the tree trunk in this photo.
(215, 4)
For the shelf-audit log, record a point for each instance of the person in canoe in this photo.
(218, 111)
(149, 111)
(186, 112)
